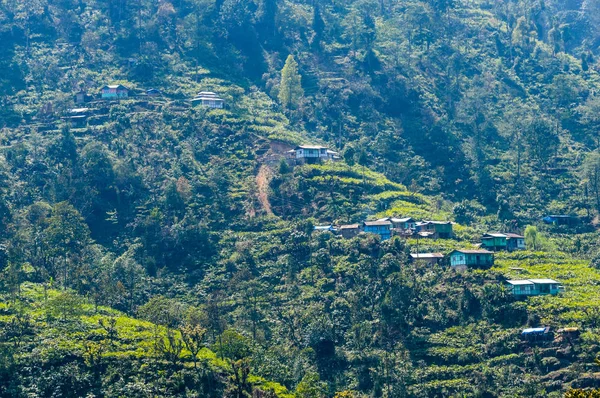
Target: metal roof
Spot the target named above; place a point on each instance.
(402, 219)
(543, 281)
(350, 226)
(520, 282)
(517, 236)
(474, 251)
(426, 255)
(323, 227)
(116, 86)
(377, 223)
(535, 330)
(310, 147)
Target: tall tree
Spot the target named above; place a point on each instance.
(290, 90)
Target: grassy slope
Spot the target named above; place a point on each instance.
(136, 338)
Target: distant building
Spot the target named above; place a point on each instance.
(537, 334)
(115, 91)
(561, 219)
(437, 229)
(533, 287)
(462, 259)
(78, 117)
(429, 258)
(153, 92)
(404, 224)
(381, 228)
(349, 231)
(81, 97)
(311, 154)
(323, 228)
(503, 241)
(208, 99)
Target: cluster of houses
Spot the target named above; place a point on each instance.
(113, 92)
(459, 259)
(393, 226)
(78, 117)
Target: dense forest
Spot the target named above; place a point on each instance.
(153, 248)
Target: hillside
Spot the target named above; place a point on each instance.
(125, 197)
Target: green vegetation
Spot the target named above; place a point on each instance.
(152, 248)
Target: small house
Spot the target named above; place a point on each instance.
(324, 228)
(208, 99)
(537, 334)
(533, 287)
(153, 92)
(429, 258)
(438, 229)
(349, 231)
(81, 97)
(503, 241)
(561, 219)
(78, 117)
(461, 259)
(311, 154)
(381, 228)
(403, 224)
(115, 91)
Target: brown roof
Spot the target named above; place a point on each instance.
(351, 226)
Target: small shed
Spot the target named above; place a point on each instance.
(461, 259)
(81, 97)
(153, 92)
(429, 258)
(349, 231)
(208, 99)
(537, 334)
(381, 228)
(115, 91)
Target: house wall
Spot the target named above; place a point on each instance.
(458, 259)
(384, 232)
(113, 93)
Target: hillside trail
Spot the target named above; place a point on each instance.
(263, 181)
